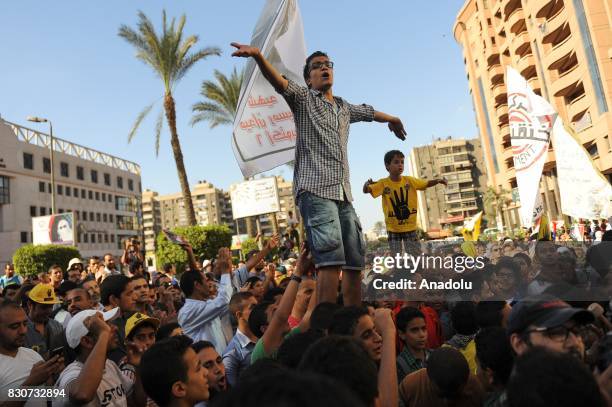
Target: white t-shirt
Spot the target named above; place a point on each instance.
(14, 371)
(113, 390)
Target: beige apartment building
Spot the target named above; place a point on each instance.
(101, 190)
(564, 50)
(212, 207)
(441, 209)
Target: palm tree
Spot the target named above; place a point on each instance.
(220, 99)
(219, 108)
(494, 202)
(170, 58)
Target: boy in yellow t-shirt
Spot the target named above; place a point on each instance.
(399, 200)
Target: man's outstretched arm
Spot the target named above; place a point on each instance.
(435, 182)
(395, 124)
(269, 72)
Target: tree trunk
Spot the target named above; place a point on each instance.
(170, 109)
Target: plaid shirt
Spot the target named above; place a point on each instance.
(321, 163)
(407, 363)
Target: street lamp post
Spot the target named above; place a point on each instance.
(52, 148)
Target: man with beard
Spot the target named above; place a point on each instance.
(93, 377)
(213, 362)
(93, 289)
(75, 270)
(77, 300)
(547, 322)
(44, 333)
(110, 267)
(21, 366)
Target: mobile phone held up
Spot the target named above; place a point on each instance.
(174, 238)
(56, 352)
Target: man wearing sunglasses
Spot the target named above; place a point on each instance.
(550, 323)
(321, 178)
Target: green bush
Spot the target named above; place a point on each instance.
(32, 259)
(248, 245)
(205, 240)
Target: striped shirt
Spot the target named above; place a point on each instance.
(321, 159)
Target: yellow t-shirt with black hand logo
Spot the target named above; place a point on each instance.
(399, 202)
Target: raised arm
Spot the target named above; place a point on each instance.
(271, 244)
(437, 181)
(269, 72)
(395, 124)
(366, 187)
(273, 335)
(387, 374)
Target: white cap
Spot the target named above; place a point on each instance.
(76, 328)
(74, 261)
(206, 263)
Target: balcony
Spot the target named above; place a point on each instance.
(501, 111)
(577, 108)
(496, 73)
(516, 21)
(521, 44)
(534, 83)
(526, 62)
(504, 130)
(556, 56)
(499, 93)
(568, 81)
(493, 59)
(549, 8)
(556, 21)
(557, 35)
(510, 6)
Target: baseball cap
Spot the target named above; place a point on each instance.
(74, 261)
(137, 319)
(206, 263)
(544, 311)
(43, 294)
(76, 328)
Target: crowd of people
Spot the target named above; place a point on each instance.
(254, 333)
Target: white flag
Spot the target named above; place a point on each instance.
(531, 119)
(585, 193)
(264, 132)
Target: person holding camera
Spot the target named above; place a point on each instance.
(131, 253)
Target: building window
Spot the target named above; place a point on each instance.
(103, 197)
(91, 216)
(68, 191)
(41, 186)
(105, 238)
(94, 176)
(28, 163)
(97, 196)
(112, 238)
(608, 143)
(46, 165)
(110, 198)
(90, 195)
(78, 238)
(64, 169)
(61, 210)
(32, 211)
(93, 238)
(42, 211)
(49, 187)
(98, 217)
(84, 215)
(85, 238)
(130, 184)
(80, 173)
(99, 237)
(107, 179)
(110, 217)
(60, 190)
(105, 218)
(24, 237)
(120, 182)
(83, 193)
(75, 192)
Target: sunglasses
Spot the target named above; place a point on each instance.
(319, 65)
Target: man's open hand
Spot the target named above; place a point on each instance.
(244, 51)
(396, 126)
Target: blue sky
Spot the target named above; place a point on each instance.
(63, 60)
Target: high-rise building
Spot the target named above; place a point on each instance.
(461, 163)
(563, 48)
(212, 207)
(101, 190)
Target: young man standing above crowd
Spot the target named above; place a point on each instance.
(321, 177)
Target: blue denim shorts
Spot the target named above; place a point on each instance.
(333, 231)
